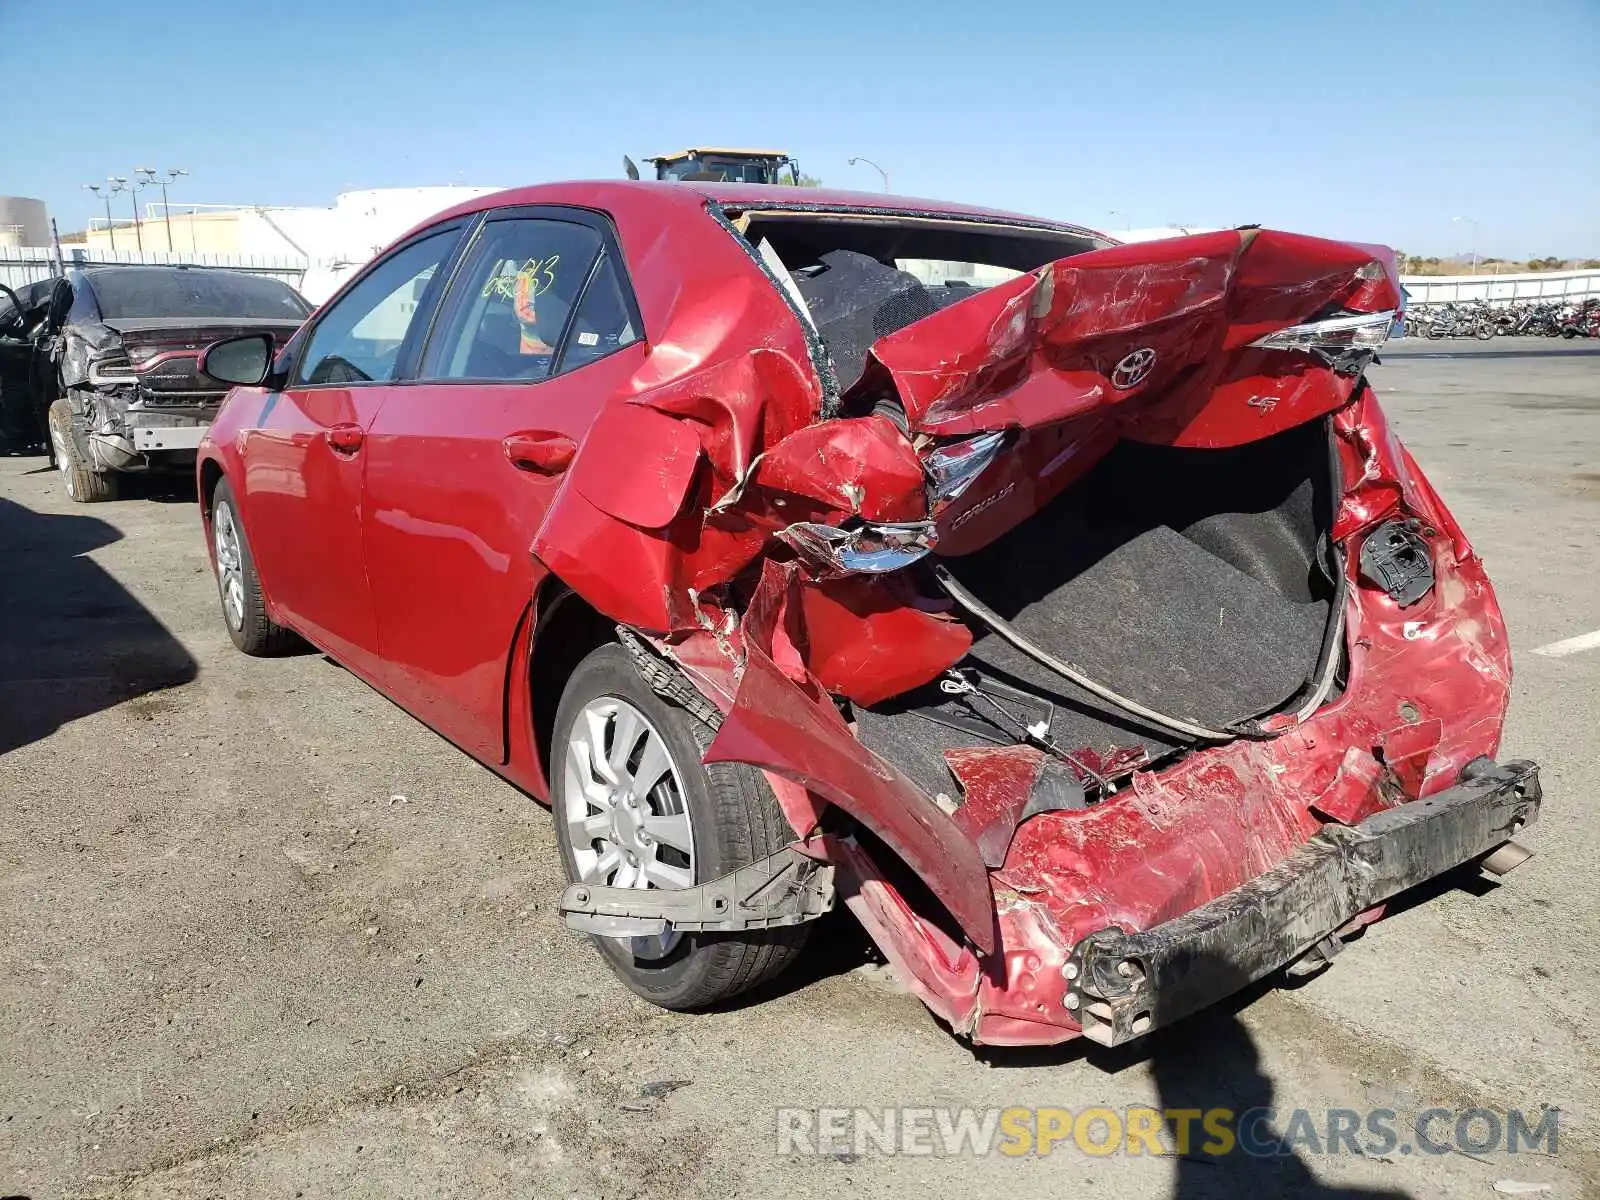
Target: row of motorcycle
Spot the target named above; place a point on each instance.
(1479, 319)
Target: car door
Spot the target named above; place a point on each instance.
(537, 330)
(304, 460)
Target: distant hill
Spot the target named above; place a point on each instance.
(1461, 264)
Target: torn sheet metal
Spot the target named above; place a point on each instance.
(1158, 332)
(862, 467)
(867, 640)
(776, 725)
(1004, 786)
(661, 454)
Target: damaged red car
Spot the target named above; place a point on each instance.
(1066, 609)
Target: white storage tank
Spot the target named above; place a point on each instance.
(23, 222)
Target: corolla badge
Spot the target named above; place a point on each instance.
(1133, 368)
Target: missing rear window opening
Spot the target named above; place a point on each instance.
(861, 276)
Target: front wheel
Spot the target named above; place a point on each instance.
(244, 609)
(634, 807)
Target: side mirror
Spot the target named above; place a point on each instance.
(245, 361)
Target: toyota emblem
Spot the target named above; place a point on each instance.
(1131, 371)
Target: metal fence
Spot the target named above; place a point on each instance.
(1501, 289)
(28, 264)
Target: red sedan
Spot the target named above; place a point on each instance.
(1066, 609)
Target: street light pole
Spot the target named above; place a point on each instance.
(111, 227)
(1127, 221)
(875, 167)
(172, 177)
(119, 184)
(138, 231)
(1474, 248)
(166, 209)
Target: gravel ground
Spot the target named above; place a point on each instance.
(269, 936)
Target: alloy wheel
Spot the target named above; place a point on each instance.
(625, 807)
(230, 565)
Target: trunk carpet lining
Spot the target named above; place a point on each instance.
(1184, 580)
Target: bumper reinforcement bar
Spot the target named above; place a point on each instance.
(785, 888)
(1123, 985)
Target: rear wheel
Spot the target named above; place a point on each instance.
(67, 451)
(635, 807)
(244, 609)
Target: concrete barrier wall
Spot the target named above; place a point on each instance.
(1501, 289)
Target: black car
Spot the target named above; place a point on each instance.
(101, 368)
(27, 384)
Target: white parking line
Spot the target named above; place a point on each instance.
(1571, 645)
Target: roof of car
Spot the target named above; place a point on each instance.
(100, 268)
(604, 193)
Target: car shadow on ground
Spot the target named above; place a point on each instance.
(73, 641)
(1201, 1064)
(160, 487)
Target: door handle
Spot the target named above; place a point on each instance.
(540, 451)
(346, 437)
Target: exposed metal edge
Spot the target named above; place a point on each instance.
(785, 888)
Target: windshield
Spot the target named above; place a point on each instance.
(737, 171)
(725, 170)
(195, 292)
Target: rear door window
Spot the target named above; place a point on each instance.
(512, 300)
(605, 319)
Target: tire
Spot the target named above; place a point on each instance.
(244, 609)
(84, 484)
(733, 820)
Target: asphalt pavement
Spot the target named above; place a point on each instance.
(269, 936)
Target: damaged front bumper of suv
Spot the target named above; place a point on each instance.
(1030, 881)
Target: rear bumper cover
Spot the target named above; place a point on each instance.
(128, 433)
(1123, 985)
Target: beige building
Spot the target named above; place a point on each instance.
(354, 228)
(190, 233)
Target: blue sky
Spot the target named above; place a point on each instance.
(1373, 121)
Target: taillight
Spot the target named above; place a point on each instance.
(111, 369)
(953, 467)
(1348, 340)
(874, 548)
(1342, 342)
